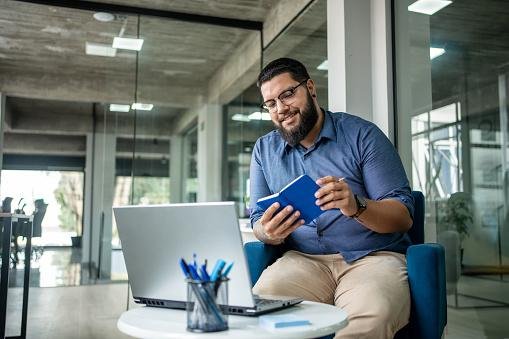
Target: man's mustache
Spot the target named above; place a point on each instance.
(287, 115)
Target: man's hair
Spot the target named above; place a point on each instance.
(283, 65)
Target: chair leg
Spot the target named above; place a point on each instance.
(14, 253)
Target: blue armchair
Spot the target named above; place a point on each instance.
(426, 277)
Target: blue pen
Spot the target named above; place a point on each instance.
(227, 270)
(194, 261)
(204, 275)
(201, 294)
(194, 273)
(185, 268)
(217, 269)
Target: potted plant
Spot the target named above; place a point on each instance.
(459, 216)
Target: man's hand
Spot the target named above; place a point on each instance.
(381, 216)
(273, 228)
(335, 193)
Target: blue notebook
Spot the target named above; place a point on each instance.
(272, 322)
(300, 193)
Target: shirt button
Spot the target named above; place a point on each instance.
(320, 233)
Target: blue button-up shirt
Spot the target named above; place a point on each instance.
(348, 147)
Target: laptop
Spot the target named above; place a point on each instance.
(154, 238)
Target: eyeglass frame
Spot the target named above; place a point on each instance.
(291, 94)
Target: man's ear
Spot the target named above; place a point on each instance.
(311, 87)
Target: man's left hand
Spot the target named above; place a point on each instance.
(335, 193)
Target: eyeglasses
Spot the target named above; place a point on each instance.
(286, 98)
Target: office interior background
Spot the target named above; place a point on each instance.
(87, 125)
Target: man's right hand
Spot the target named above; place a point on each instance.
(273, 227)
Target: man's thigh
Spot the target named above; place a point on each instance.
(300, 275)
(374, 292)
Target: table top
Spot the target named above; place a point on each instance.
(153, 322)
(15, 216)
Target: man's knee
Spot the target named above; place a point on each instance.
(296, 276)
(375, 316)
(379, 322)
(268, 287)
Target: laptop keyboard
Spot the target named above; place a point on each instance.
(265, 302)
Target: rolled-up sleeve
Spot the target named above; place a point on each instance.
(258, 187)
(382, 170)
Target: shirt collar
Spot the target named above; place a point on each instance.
(328, 131)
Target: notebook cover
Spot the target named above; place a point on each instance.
(300, 193)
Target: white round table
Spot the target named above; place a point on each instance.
(153, 322)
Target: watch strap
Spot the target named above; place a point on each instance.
(361, 207)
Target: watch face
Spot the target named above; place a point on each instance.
(361, 201)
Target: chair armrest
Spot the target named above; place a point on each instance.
(259, 256)
(426, 277)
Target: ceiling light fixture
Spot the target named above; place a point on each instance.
(428, 7)
(259, 116)
(127, 43)
(119, 108)
(104, 16)
(435, 52)
(99, 49)
(142, 107)
(241, 117)
(324, 66)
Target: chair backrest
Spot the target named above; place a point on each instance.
(416, 232)
(38, 216)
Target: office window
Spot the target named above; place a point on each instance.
(244, 123)
(61, 191)
(190, 170)
(452, 85)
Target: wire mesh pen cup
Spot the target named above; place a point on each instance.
(206, 301)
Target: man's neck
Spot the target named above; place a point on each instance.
(309, 140)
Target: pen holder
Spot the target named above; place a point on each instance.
(205, 301)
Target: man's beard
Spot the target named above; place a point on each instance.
(308, 119)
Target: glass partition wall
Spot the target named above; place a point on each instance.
(305, 39)
(141, 117)
(452, 88)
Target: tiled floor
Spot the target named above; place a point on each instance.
(91, 310)
(61, 266)
(69, 312)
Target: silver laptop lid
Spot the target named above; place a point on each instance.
(154, 238)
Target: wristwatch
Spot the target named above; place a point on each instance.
(361, 205)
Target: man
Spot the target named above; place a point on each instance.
(353, 255)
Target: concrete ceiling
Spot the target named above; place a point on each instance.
(44, 47)
(53, 86)
(255, 10)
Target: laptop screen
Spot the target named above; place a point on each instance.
(154, 238)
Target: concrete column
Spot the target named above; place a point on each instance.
(102, 201)
(503, 230)
(87, 200)
(359, 52)
(176, 161)
(210, 152)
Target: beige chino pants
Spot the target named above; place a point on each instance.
(372, 290)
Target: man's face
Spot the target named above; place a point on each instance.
(296, 117)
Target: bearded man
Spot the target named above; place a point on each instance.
(353, 255)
